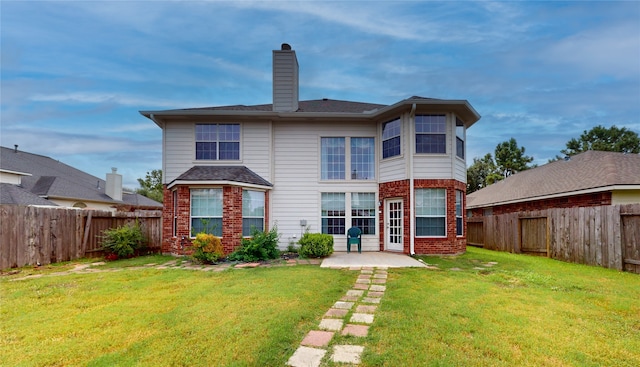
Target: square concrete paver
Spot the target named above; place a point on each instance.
(306, 357)
(343, 305)
(370, 300)
(316, 338)
(356, 293)
(355, 330)
(378, 288)
(334, 312)
(347, 354)
(331, 324)
(366, 271)
(365, 309)
(380, 276)
(349, 298)
(364, 276)
(365, 318)
(379, 281)
(375, 294)
(363, 281)
(361, 286)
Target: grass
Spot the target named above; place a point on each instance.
(522, 311)
(149, 317)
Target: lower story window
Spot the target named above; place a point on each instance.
(206, 211)
(363, 211)
(459, 223)
(431, 212)
(333, 213)
(252, 211)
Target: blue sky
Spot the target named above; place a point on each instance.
(75, 74)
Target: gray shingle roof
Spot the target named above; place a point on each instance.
(13, 194)
(240, 174)
(317, 105)
(52, 178)
(585, 171)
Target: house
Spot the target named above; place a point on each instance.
(591, 178)
(397, 172)
(32, 179)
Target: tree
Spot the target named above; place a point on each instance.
(481, 173)
(151, 186)
(613, 139)
(510, 158)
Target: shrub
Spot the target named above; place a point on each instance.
(316, 245)
(207, 248)
(260, 246)
(122, 241)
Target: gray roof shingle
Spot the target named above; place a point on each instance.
(16, 195)
(240, 174)
(585, 171)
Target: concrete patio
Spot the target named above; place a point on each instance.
(370, 259)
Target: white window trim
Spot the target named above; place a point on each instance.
(434, 216)
(348, 217)
(347, 160)
(194, 141)
(264, 208)
(190, 212)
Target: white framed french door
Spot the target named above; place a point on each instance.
(393, 225)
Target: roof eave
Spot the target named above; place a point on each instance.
(557, 195)
(217, 183)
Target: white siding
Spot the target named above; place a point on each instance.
(432, 166)
(460, 170)
(393, 169)
(255, 148)
(179, 149)
(297, 185)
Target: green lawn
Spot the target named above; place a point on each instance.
(524, 311)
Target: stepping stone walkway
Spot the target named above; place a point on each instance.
(350, 316)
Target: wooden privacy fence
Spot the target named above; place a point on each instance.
(31, 235)
(607, 236)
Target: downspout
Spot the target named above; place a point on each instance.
(412, 219)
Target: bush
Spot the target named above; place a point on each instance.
(316, 245)
(260, 246)
(122, 241)
(207, 248)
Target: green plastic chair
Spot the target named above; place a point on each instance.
(354, 236)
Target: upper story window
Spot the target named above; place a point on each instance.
(362, 159)
(460, 138)
(217, 142)
(391, 139)
(358, 161)
(431, 134)
(332, 152)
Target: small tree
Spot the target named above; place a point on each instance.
(151, 186)
(510, 158)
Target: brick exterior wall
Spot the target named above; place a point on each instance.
(451, 244)
(231, 220)
(585, 200)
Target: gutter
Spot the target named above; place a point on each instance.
(412, 219)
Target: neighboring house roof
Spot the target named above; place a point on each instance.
(322, 108)
(13, 194)
(53, 179)
(222, 174)
(591, 171)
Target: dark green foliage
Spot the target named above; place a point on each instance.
(316, 245)
(151, 186)
(613, 139)
(260, 246)
(123, 241)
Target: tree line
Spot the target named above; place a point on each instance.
(509, 158)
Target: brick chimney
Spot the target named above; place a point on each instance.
(285, 79)
(114, 185)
